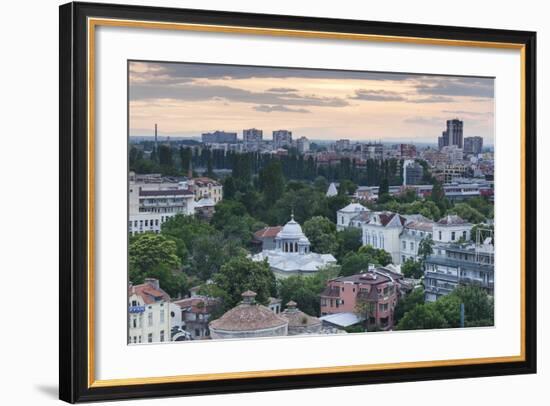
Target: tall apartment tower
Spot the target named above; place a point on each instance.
(473, 145)
(252, 136)
(282, 138)
(453, 135)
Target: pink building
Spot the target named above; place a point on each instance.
(376, 291)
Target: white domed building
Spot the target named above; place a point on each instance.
(292, 255)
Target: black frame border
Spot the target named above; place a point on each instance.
(73, 178)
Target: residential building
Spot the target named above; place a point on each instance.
(302, 144)
(473, 145)
(451, 229)
(205, 208)
(382, 230)
(204, 187)
(377, 288)
(453, 135)
(282, 138)
(252, 136)
(148, 313)
(407, 151)
(147, 222)
(372, 151)
(342, 145)
(412, 172)
(453, 265)
(167, 198)
(292, 255)
(346, 214)
(195, 314)
(248, 320)
(266, 237)
(413, 233)
(219, 137)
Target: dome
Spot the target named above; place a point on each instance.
(292, 230)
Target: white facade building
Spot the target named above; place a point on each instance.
(382, 231)
(292, 255)
(206, 188)
(450, 229)
(146, 221)
(148, 313)
(346, 214)
(411, 236)
(160, 198)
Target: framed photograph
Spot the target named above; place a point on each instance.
(259, 202)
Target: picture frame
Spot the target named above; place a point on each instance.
(79, 164)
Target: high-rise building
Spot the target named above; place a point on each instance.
(453, 135)
(219, 137)
(412, 173)
(407, 151)
(252, 136)
(302, 144)
(473, 145)
(282, 138)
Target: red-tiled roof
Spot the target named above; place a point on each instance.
(149, 293)
(197, 304)
(267, 232)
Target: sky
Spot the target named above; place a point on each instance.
(187, 100)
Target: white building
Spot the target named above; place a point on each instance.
(413, 233)
(382, 231)
(282, 138)
(142, 222)
(160, 198)
(450, 229)
(148, 313)
(302, 144)
(292, 255)
(346, 214)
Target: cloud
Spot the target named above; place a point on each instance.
(268, 109)
(469, 113)
(423, 120)
(203, 92)
(377, 95)
(461, 86)
(432, 99)
(282, 90)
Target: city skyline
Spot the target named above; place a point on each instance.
(189, 99)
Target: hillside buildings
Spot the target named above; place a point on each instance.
(292, 255)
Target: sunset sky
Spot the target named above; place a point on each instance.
(189, 99)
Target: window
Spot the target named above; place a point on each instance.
(464, 234)
(342, 219)
(161, 336)
(134, 322)
(440, 235)
(453, 236)
(139, 339)
(150, 337)
(162, 315)
(197, 332)
(412, 246)
(404, 245)
(150, 319)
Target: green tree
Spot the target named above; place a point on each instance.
(354, 263)
(412, 269)
(335, 203)
(408, 302)
(240, 274)
(321, 232)
(467, 213)
(425, 248)
(272, 182)
(321, 184)
(347, 187)
(154, 256)
(349, 240)
(380, 256)
(422, 316)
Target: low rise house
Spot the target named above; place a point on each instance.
(266, 237)
(195, 315)
(413, 233)
(372, 295)
(206, 187)
(148, 313)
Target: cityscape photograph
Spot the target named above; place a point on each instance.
(274, 201)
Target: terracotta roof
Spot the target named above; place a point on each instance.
(386, 217)
(421, 225)
(197, 304)
(248, 317)
(149, 293)
(267, 232)
(297, 318)
(203, 181)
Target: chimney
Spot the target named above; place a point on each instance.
(153, 282)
